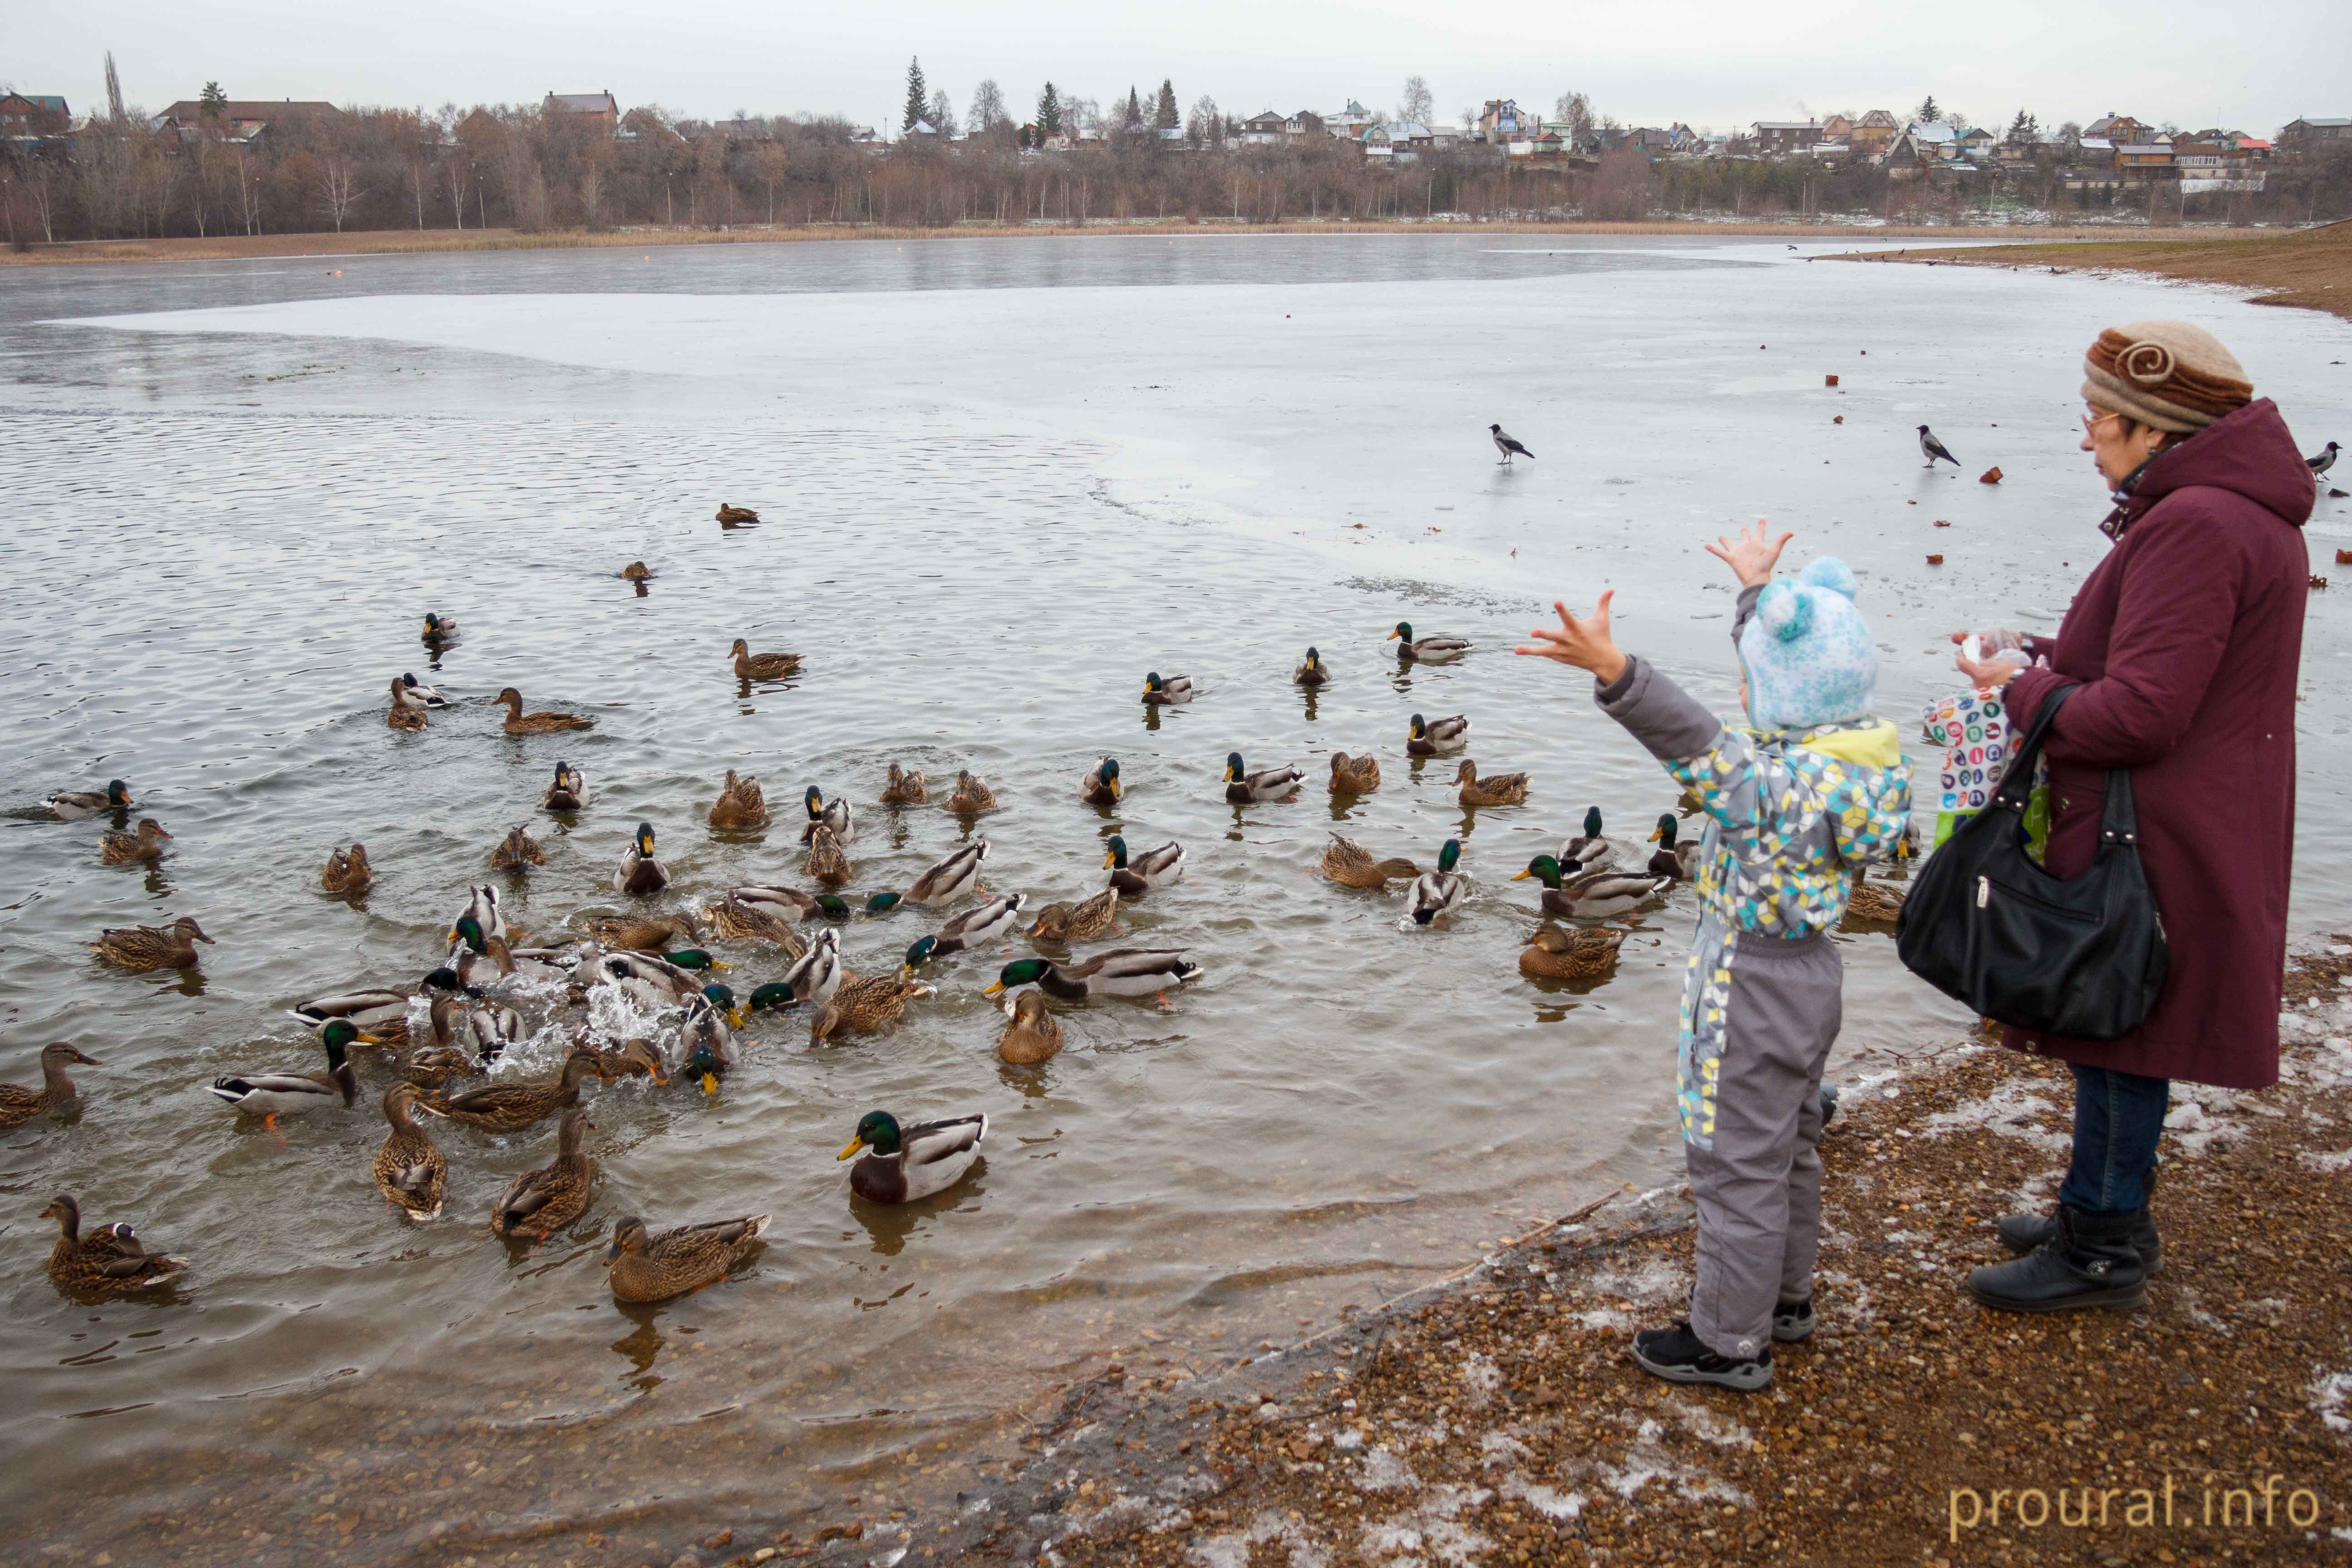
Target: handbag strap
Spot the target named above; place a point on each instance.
(2017, 777)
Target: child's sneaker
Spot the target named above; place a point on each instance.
(1677, 1355)
(1794, 1320)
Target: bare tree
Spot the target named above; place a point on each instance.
(988, 115)
(248, 194)
(1574, 111)
(942, 114)
(1206, 127)
(454, 168)
(338, 189)
(1416, 104)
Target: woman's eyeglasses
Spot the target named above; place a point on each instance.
(2092, 421)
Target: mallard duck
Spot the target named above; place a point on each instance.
(19, 1104)
(900, 1164)
(1160, 693)
(1438, 892)
(538, 1204)
(152, 947)
(1500, 789)
(640, 876)
(403, 714)
(952, 877)
(1441, 738)
(641, 934)
(1676, 856)
(348, 871)
(478, 961)
(1585, 952)
(636, 572)
(569, 792)
(1083, 921)
(1311, 671)
(443, 1059)
(1351, 864)
(1595, 896)
(73, 804)
(1354, 775)
(731, 515)
(769, 914)
(517, 850)
(833, 813)
(439, 628)
(1243, 787)
(419, 694)
(972, 796)
(706, 1038)
(905, 788)
(127, 848)
(633, 1058)
(664, 979)
(1588, 850)
(270, 1095)
(817, 973)
(409, 1166)
(510, 1106)
(1099, 786)
(740, 803)
(645, 1268)
(827, 862)
(489, 1029)
(749, 666)
(1122, 971)
(380, 1016)
(865, 1004)
(1031, 1034)
(522, 723)
(489, 919)
(1145, 872)
(1428, 650)
(110, 1258)
(967, 929)
(1874, 900)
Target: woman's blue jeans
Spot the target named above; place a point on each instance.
(2117, 1118)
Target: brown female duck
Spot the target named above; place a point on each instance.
(1585, 953)
(409, 1167)
(517, 850)
(1351, 864)
(109, 1259)
(749, 666)
(1498, 789)
(1031, 1034)
(152, 947)
(522, 723)
(1354, 775)
(865, 1003)
(906, 789)
(348, 871)
(740, 803)
(405, 715)
(128, 848)
(647, 1266)
(1084, 922)
(763, 914)
(642, 933)
(733, 515)
(826, 861)
(538, 1204)
(19, 1104)
(972, 796)
(510, 1106)
(1879, 902)
(444, 1057)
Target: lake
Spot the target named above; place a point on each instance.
(999, 481)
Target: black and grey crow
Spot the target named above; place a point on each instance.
(1506, 446)
(2324, 461)
(1931, 450)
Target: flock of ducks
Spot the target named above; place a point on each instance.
(653, 961)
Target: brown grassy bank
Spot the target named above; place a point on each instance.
(2310, 268)
(383, 242)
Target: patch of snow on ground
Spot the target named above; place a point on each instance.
(1384, 1472)
(1430, 1533)
(2339, 1161)
(2330, 1395)
(2013, 1110)
(1548, 1501)
(1483, 1377)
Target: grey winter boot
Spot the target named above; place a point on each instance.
(2090, 1262)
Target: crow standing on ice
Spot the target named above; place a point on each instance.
(2321, 463)
(1508, 445)
(1931, 450)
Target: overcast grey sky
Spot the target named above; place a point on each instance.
(1709, 62)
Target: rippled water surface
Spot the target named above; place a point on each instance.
(999, 482)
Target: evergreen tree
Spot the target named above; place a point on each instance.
(918, 97)
(1929, 111)
(1131, 117)
(214, 102)
(1167, 118)
(2024, 130)
(1049, 113)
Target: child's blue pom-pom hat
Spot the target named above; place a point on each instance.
(1808, 652)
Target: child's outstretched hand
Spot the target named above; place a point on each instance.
(1752, 556)
(1585, 644)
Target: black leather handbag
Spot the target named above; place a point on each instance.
(2084, 958)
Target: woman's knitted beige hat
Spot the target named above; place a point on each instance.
(2168, 375)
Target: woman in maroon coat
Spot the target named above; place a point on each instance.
(2183, 645)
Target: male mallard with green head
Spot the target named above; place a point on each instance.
(73, 804)
(270, 1095)
(409, 1166)
(1122, 971)
(640, 875)
(1311, 671)
(818, 972)
(1438, 893)
(19, 1104)
(1436, 738)
(833, 813)
(1588, 850)
(1429, 650)
(1159, 693)
(1676, 857)
(567, 792)
(952, 878)
(967, 929)
(1244, 787)
(1596, 895)
(646, 1267)
(1101, 785)
(1133, 878)
(900, 1164)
